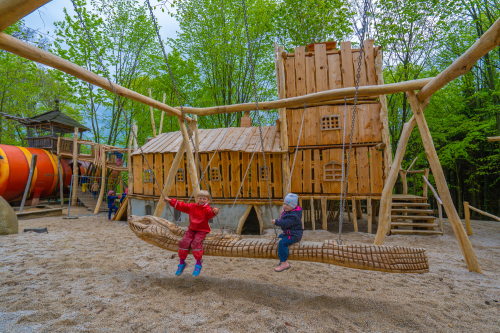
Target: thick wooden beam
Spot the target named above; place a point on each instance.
(354, 214)
(324, 217)
(326, 95)
(467, 218)
(442, 187)
(25, 50)
(170, 181)
(493, 138)
(12, 11)
(75, 166)
(488, 41)
(103, 181)
(384, 215)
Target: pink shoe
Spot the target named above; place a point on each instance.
(282, 267)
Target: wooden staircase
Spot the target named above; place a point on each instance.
(414, 218)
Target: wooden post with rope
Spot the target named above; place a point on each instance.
(152, 115)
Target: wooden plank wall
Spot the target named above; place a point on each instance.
(231, 165)
(366, 125)
(307, 73)
(365, 171)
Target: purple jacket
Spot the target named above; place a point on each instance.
(291, 224)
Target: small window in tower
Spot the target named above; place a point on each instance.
(332, 172)
(263, 171)
(215, 174)
(148, 176)
(331, 122)
(180, 175)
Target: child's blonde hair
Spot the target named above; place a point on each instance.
(203, 193)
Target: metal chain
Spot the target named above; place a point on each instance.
(252, 70)
(120, 106)
(343, 192)
(296, 150)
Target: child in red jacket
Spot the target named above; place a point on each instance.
(199, 214)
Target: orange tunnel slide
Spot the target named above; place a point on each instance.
(15, 167)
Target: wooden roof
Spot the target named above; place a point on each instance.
(241, 139)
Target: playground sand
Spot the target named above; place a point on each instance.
(93, 275)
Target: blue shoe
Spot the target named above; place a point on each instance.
(197, 270)
(180, 269)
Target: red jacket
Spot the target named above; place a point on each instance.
(198, 215)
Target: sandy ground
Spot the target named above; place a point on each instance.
(91, 275)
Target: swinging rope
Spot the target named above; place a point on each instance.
(343, 192)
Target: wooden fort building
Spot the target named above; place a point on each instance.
(317, 174)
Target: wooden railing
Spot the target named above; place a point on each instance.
(467, 209)
(439, 201)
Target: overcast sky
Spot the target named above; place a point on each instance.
(43, 19)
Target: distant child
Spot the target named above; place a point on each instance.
(124, 194)
(199, 214)
(111, 203)
(94, 189)
(291, 224)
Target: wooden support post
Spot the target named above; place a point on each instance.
(170, 181)
(242, 220)
(324, 220)
(301, 206)
(358, 209)
(190, 158)
(122, 183)
(424, 191)
(152, 115)
(384, 215)
(27, 189)
(280, 80)
(442, 187)
(75, 167)
(402, 173)
(384, 117)
(103, 181)
(134, 130)
(162, 114)
(370, 214)
(61, 180)
(354, 215)
(313, 219)
(129, 165)
(197, 146)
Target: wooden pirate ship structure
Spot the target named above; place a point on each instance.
(323, 99)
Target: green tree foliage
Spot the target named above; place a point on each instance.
(26, 88)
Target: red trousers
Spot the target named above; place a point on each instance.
(192, 239)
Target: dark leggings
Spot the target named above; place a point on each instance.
(283, 251)
(113, 208)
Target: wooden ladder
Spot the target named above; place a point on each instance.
(414, 218)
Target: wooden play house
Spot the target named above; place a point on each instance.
(318, 156)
